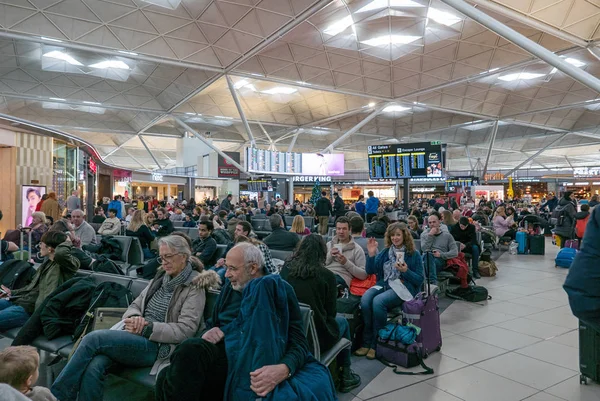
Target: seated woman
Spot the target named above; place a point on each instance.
(299, 227)
(413, 227)
(448, 219)
(137, 228)
(59, 266)
(503, 224)
(316, 286)
(165, 314)
(38, 228)
(399, 271)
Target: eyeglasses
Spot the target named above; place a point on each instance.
(166, 258)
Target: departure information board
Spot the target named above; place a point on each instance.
(260, 184)
(415, 160)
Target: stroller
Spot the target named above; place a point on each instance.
(533, 224)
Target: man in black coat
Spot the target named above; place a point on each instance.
(323, 210)
(464, 232)
(280, 239)
(339, 208)
(205, 246)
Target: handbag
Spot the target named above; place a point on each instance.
(99, 319)
(359, 287)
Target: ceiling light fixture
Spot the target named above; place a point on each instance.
(391, 40)
(227, 118)
(58, 99)
(50, 39)
(94, 103)
(395, 109)
(111, 64)
(129, 53)
(58, 55)
(376, 4)
(280, 90)
(339, 26)
(442, 17)
(240, 84)
(519, 75)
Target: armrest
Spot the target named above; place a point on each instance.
(331, 354)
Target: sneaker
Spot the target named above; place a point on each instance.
(371, 354)
(361, 351)
(349, 380)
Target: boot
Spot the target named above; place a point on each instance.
(348, 380)
(476, 274)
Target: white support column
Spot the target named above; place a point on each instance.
(293, 143)
(240, 110)
(536, 154)
(356, 128)
(492, 141)
(149, 152)
(525, 43)
(469, 158)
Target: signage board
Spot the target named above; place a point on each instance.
(411, 160)
(227, 170)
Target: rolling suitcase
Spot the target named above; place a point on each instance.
(565, 257)
(537, 244)
(521, 239)
(589, 353)
(423, 311)
(572, 243)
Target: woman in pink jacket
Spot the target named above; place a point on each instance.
(503, 224)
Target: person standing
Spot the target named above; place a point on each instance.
(51, 208)
(339, 208)
(73, 202)
(359, 207)
(371, 206)
(323, 209)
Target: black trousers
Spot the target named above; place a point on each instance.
(370, 216)
(198, 372)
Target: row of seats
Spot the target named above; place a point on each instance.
(132, 254)
(63, 345)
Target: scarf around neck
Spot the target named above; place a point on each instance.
(389, 268)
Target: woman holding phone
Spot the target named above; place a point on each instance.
(399, 271)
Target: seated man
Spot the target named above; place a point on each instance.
(205, 246)
(18, 305)
(345, 258)
(437, 245)
(244, 229)
(82, 229)
(280, 239)
(162, 226)
(357, 225)
(464, 232)
(112, 225)
(255, 343)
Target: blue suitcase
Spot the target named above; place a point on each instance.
(565, 257)
(521, 239)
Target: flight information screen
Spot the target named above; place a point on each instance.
(416, 160)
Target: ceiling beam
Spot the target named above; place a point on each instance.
(240, 110)
(536, 154)
(557, 108)
(491, 148)
(525, 43)
(150, 152)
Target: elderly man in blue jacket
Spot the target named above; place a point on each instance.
(255, 346)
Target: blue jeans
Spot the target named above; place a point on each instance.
(85, 372)
(343, 358)
(11, 315)
(375, 304)
(434, 264)
(475, 257)
(148, 254)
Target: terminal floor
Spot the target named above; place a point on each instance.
(521, 345)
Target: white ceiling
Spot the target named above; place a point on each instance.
(305, 72)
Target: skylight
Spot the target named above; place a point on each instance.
(339, 26)
(58, 55)
(395, 109)
(575, 62)
(111, 64)
(376, 4)
(240, 84)
(391, 40)
(280, 90)
(519, 75)
(442, 17)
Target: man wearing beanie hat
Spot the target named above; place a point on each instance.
(464, 232)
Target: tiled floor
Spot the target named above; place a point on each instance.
(521, 345)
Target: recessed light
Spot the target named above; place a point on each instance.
(395, 109)
(50, 39)
(376, 4)
(118, 64)
(280, 90)
(58, 55)
(391, 40)
(339, 26)
(58, 99)
(442, 17)
(94, 103)
(519, 75)
(372, 104)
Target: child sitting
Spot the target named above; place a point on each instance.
(19, 369)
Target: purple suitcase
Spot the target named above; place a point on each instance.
(424, 312)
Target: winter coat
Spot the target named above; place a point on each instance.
(48, 277)
(502, 225)
(360, 208)
(372, 205)
(376, 229)
(205, 250)
(60, 313)
(567, 228)
(339, 207)
(115, 204)
(51, 208)
(583, 281)
(323, 207)
(185, 312)
(552, 203)
(412, 278)
(282, 240)
(355, 261)
(267, 331)
(165, 227)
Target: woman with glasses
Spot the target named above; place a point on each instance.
(165, 314)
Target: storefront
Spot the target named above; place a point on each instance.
(580, 189)
(531, 190)
(122, 183)
(386, 191)
(303, 186)
(159, 186)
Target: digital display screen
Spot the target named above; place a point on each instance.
(266, 161)
(416, 160)
(260, 184)
(454, 183)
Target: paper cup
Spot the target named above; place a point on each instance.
(339, 247)
(400, 257)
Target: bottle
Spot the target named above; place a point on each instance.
(513, 248)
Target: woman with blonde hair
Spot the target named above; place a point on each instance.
(138, 228)
(399, 270)
(299, 227)
(448, 219)
(503, 224)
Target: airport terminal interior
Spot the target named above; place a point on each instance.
(410, 119)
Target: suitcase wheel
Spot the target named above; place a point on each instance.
(583, 380)
(439, 348)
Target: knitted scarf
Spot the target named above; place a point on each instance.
(158, 305)
(389, 268)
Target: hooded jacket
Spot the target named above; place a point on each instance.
(566, 228)
(50, 275)
(372, 205)
(583, 281)
(185, 313)
(355, 261)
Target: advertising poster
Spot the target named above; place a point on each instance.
(31, 195)
(226, 169)
(322, 164)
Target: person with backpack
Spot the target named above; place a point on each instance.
(60, 265)
(581, 220)
(169, 311)
(563, 218)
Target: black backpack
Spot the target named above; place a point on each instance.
(559, 216)
(105, 295)
(348, 306)
(15, 274)
(104, 265)
(473, 293)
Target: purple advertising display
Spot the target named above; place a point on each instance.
(322, 164)
(31, 195)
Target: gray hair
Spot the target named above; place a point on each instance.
(275, 221)
(78, 211)
(252, 254)
(177, 244)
